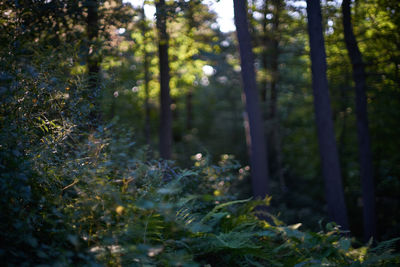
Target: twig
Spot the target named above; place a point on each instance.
(68, 186)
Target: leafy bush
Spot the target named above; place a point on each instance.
(73, 193)
(122, 210)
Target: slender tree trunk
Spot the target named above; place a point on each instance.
(189, 94)
(93, 59)
(146, 100)
(189, 110)
(343, 133)
(275, 154)
(323, 115)
(92, 29)
(258, 157)
(265, 41)
(165, 99)
(246, 126)
(397, 72)
(364, 146)
(274, 59)
(274, 93)
(275, 52)
(146, 79)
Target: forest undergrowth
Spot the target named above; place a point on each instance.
(79, 187)
(79, 194)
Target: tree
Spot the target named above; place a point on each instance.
(189, 94)
(92, 31)
(258, 156)
(265, 40)
(165, 99)
(273, 141)
(364, 146)
(146, 63)
(323, 115)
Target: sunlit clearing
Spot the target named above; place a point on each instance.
(119, 210)
(149, 10)
(298, 3)
(257, 15)
(225, 43)
(223, 8)
(208, 70)
(121, 30)
(198, 156)
(204, 81)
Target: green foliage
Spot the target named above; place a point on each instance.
(70, 198)
(38, 117)
(75, 191)
(123, 210)
(154, 213)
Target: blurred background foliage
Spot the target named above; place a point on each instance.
(89, 190)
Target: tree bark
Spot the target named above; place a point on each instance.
(275, 154)
(146, 79)
(323, 115)
(165, 99)
(258, 157)
(189, 94)
(274, 59)
(264, 60)
(364, 145)
(92, 29)
(189, 109)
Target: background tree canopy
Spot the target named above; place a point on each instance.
(134, 140)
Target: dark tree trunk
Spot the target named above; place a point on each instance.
(343, 133)
(323, 115)
(93, 60)
(246, 126)
(189, 110)
(189, 94)
(92, 29)
(274, 59)
(165, 99)
(146, 79)
(258, 157)
(264, 60)
(364, 146)
(146, 103)
(275, 154)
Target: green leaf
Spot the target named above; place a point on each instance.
(344, 243)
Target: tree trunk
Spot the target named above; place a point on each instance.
(274, 59)
(275, 154)
(165, 99)
(93, 60)
(264, 60)
(189, 94)
(323, 115)
(189, 110)
(92, 29)
(146, 79)
(364, 146)
(246, 126)
(258, 157)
